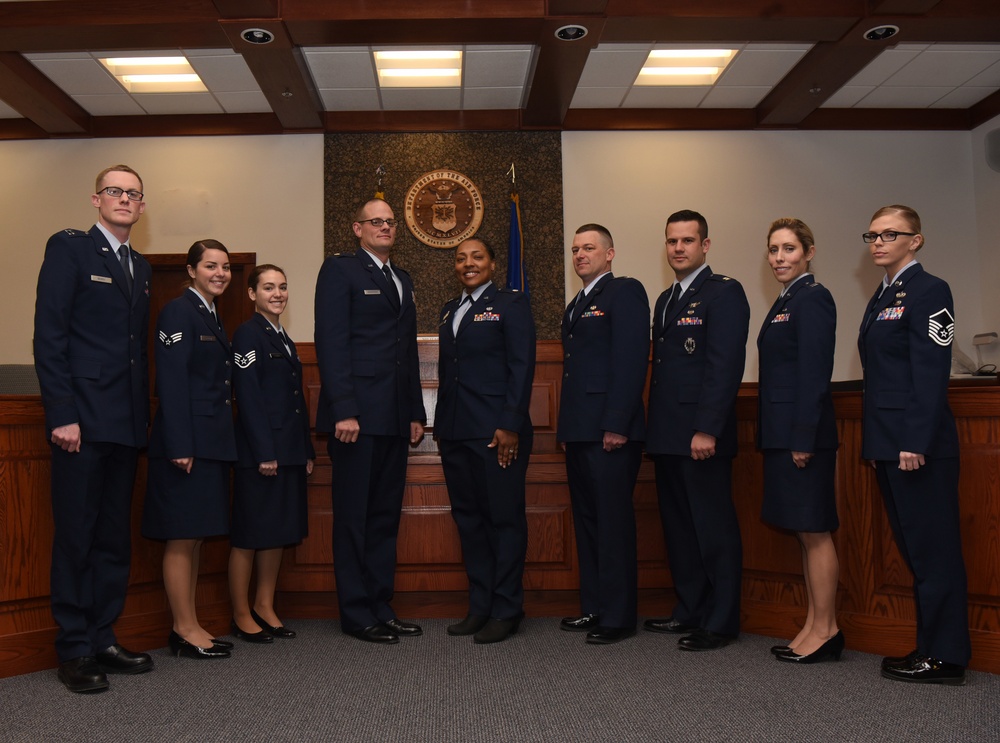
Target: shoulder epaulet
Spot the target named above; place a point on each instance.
(508, 290)
(76, 233)
(719, 277)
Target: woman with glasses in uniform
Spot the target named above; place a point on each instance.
(275, 457)
(192, 445)
(910, 437)
(797, 432)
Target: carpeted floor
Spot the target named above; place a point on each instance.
(542, 685)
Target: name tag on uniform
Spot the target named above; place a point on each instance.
(102, 279)
(370, 292)
(276, 355)
(206, 337)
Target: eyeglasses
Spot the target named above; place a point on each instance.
(378, 222)
(114, 192)
(887, 237)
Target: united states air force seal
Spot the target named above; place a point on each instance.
(443, 208)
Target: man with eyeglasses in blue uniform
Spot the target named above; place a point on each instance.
(372, 407)
(91, 320)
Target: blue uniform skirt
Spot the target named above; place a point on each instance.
(269, 511)
(800, 499)
(186, 506)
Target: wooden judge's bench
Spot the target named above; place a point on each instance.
(875, 604)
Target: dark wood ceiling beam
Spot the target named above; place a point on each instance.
(421, 121)
(281, 72)
(25, 89)
(558, 67)
(903, 7)
(986, 109)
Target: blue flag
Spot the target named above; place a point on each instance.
(517, 276)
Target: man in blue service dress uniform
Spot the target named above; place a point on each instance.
(700, 328)
(605, 336)
(91, 318)
(371, 404)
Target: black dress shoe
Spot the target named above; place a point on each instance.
(181, 647)
(258, 638)
(781, 650)
(896, 660)
(609, 635)
(83, 675)
(224, 644)
(829, 650)
(468, 626)
(668, 625)
(580, 624)
(378, 633)
(497, 630)
(403, 629)
(117, 659)
(279, 631)
(924, 670)
(703, 639)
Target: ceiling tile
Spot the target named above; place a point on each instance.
(244, 102)
(883, 66)
(746, 96)
(178, 103)
(225, 74)
(345, 68)
(610, 68)
(847, 96)
(421, 99)
(672, 97)
(350, 99)
(753, 67)
(492, 98)
(109, 105)
(495, 69)
(79, 76)
(902, 97)
(963, 97)
(934, 67)
(599, 97)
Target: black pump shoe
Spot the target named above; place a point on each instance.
(279, 631)
(181, 647)
(829, 650)
(258, 638)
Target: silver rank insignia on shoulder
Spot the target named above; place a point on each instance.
(689, 345)
(244, 361)
(941, 327)
(169, 340)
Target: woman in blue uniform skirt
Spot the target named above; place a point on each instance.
(275, 456)
(192, 445)
(483, 429)
(797, 432)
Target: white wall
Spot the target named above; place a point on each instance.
(255, 194)
(741, 181)
(265, 194)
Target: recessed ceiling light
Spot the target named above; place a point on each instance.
(419, 68)
(684, 66)
(154, 74)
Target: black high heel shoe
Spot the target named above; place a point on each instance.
(181, 647)
(829, 650)
(781, 650)
(281, 631)
(258, 638)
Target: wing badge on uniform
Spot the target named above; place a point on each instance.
(244, 362)
(169, 340)
(941, 327)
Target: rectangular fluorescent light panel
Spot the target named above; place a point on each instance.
(154, 74)
(419, 69)
(684, 66)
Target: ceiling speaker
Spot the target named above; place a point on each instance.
(993, 150)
